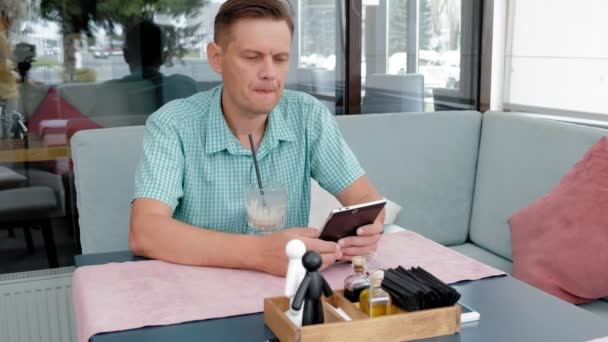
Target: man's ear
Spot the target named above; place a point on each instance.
(214, 57)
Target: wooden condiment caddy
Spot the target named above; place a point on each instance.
(400, 325)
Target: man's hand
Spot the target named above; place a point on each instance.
(272, 249)
(364, 243)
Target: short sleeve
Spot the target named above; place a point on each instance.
(333, 164)
(161, 168)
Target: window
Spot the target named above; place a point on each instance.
(557, 56)
(416, 53)
(317, 31)
(315, 48)
(84, 65)
(71, 75)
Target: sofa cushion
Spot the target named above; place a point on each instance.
(111, 98)
(599, 307)
(560, 240)
(520, 159)
(425, 162)
(484, 256)
(104, 167)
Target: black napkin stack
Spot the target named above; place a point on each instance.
(417, 289)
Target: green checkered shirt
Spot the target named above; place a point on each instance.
(192, 161)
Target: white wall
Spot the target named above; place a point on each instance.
(499, 36)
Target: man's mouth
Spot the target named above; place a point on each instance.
(265, 91)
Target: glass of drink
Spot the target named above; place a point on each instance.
(266, 209)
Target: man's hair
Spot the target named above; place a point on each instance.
(233, 10)
(145, 44)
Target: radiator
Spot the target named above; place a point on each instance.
(37, 306)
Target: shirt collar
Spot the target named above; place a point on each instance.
(278, 127)
(219, 137)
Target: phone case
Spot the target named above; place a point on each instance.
(346, 221)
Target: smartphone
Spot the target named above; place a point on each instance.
(467, 314)
(343, 222)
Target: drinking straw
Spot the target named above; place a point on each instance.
(257, 166)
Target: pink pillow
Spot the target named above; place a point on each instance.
(560, 241)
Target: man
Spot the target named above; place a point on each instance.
(145, 52)
(189, 203)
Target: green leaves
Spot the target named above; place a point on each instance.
(77, 16)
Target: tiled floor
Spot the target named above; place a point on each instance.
(14, 256)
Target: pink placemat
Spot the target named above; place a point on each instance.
(121, 296)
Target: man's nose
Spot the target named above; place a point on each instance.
(268, 69)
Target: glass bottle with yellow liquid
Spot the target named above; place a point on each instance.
(374, 301)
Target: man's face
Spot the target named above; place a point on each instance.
(254, 61)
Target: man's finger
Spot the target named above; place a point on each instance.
(358, 241)
(328, 259)
(370, 229)
(321, 246)
(352, 251)
(305, 232)
(346, 257)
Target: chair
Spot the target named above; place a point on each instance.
(105, 161)
(34, 204)
(393, 93)
(31, 206)
(10, 179)
(323, 81)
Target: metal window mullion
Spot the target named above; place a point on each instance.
(413, 17)
(352, 93)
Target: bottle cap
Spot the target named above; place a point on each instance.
(376, 278)
(358, 260)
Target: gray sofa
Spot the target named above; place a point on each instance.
(119, 103)
(459, 176)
